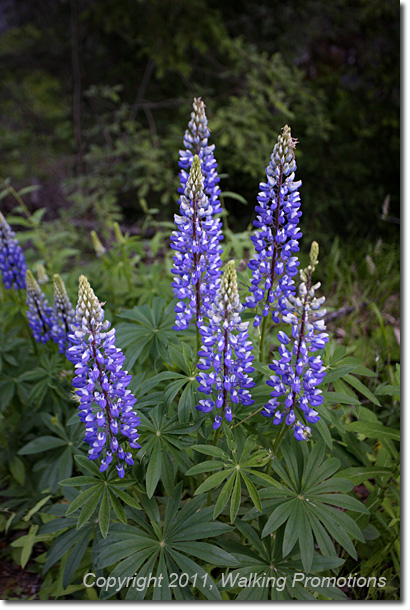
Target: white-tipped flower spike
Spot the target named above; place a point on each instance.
(97, 245)
(12, 262)
(106, 406)
(277, 236)
(226, 353)
(63, 315)
(40, 315)
(197, 258)
(300, 369)
(42, 276)
(196, 143)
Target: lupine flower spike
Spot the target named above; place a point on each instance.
(97, 245)
(106, 406)
(12, 262)
(42, 276)
(118, 233)
(63, 315)
(40, 315)
(197, 257)
(300, 370)
(276, 239)
(226, 353)
(196, 143)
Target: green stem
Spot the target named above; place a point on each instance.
(262, 340)
(279, 438)
(128, 276)
(198, 344)
(39, 243)
(34, 347)
(16, 196)
(225, 214)
(249, 416)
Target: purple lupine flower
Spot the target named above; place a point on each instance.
(40, 315)
(277, 235)
(197, 258)
(106, 405)
(12, 261)
(300, 370)
(226, 353)
(196, 143)
(63, 315)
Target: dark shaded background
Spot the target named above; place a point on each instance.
(95, 98)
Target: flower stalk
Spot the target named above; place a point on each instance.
(106, 405)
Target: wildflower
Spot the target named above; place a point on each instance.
(97, 245)
(106, 405)
(42, 277)
(226, 356)
(12, 262)
(118, 233)
(63, 315)
(300, 370)
(276, 239)
(196, 143)
(197, 259)
(40, 315)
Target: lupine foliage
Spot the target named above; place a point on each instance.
(210, 484)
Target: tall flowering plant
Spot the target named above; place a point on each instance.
(12, 261)
(196, 142)
(197, 258)
(277, 237)
(226, 353)
(198, 266)
(40, 315)
(63, 315)
(300, 369)
(106, 405)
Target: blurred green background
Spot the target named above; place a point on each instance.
(96, 95)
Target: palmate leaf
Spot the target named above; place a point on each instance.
(70, 546)
(173, 385)
(152, 282)
(264, 558)
(147, 332)
(311, 499)
(164, 544)
(342, 371)
(59, 451)
(165, 441)
(235, 470)
(102, 490)
(100, 493)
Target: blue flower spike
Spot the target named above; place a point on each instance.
(196, 142)
(276, 239)
(63, 315)
(300, 369)
(40, 315)
(106, 405)
(226, 353)
(12, 261)
(197, 258)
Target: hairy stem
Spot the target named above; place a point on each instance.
(249, 416)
